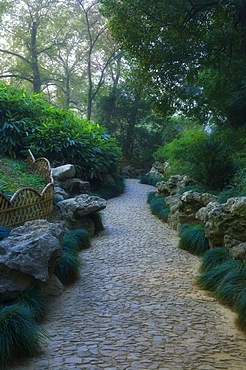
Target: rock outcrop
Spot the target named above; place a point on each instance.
(28, 256)
(173, 184)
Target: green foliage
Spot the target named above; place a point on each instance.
(241, 310)
(113, 190)
(193, 240)
(79, 239)
(214, 257)
(4, 232)
(206, 158)
(232, 288)
(96, 218)
(19, 334)
(34, 300)
(27, 121)
(226, 194)
(150, 196)
(210, 279)
(198, 188)
(67, 268)
(159, 207)
(150, 180)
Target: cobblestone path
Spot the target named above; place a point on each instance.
(136, 305)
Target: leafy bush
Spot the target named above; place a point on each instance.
(214, 257)
(67, 268)
(193, 240)
(19, 334)
(29, 121)
(206, 158)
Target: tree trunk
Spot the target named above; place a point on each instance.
(34, 60)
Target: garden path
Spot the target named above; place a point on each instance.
(136, 305)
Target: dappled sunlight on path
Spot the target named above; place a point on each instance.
(136, 305)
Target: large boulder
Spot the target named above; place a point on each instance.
(158, 170)
(183, 208)
(28, 256)
(74, 186)
(225, 225)
(73, 211)
(173, 184)
(63, 172)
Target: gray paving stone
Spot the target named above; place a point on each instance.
(136, 305)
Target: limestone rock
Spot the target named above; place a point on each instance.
(28, 255)
(158, 169)
(75, 186)
(183, 208)
(64, 172)
(73, 211)
(173, 184)
(53, 286)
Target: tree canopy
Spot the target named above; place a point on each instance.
(191, 53)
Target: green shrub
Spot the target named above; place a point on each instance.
(19, 334)
(34, 300)
(193, 240)
(232, 287)
(96, 218)
(210, 279)
(214, 257)
(28, 121)
(226, 194)
(67, 268)
(205, 158)
(159, 208)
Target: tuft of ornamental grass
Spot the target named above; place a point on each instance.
(150, 180)
(193, 240)
(76, 240)
(150, 196)
(4, 232)
(96, 218)
(33, 300)
(214, 257)
(159, 208)
(114, 190)
(210, 279)
(232, 287)
(241, 311)
(20, 335)
(67, 268)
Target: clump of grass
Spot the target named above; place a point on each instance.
(34, 300)
(150, 180)
(193, 240)
(78, 239)
(4, 232)
(214, 257)
(198, 188)
(96, 218)
(67, 268)
(150, 196)
(210, 279)
(241, 311)
(159, 208)
(20, 335)
(232, 287)
(112, 191)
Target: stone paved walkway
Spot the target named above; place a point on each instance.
(136, 305)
